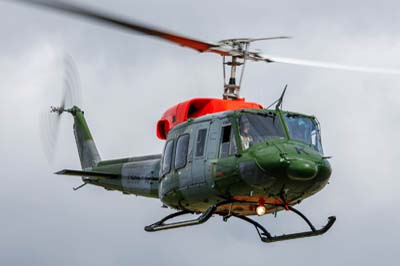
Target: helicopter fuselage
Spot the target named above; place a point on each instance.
(205, 162)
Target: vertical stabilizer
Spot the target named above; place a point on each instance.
(88, 154)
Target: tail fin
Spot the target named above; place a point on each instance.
(88, 153)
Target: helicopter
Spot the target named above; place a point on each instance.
(224, 157)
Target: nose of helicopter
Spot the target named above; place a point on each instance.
(302, 169)
(293, 160)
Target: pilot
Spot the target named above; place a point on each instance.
(245, 136)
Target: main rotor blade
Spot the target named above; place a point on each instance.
(249, 40)
(301, 62)
(130, 25)
(269, 38)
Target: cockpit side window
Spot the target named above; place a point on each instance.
(228, 142)
(225, 141)
(167, 157)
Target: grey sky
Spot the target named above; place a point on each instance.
(129, 80)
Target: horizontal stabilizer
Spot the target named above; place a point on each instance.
(88, 174)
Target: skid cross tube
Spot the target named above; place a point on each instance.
(160, 225)
(265, 236)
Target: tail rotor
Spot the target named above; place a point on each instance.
(71, 96)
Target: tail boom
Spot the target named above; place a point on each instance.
(88, 153)
(135, 175)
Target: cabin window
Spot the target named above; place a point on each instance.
(228, 144)
(233, 147)
(181, 152)
(167, 157)
(200, 142)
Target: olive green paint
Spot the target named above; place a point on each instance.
(272, 169)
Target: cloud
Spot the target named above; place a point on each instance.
(128, 81)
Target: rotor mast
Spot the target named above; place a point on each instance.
(231, 88)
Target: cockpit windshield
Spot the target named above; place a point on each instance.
(304, 129)
(255, 128)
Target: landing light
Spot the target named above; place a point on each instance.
(260, 210)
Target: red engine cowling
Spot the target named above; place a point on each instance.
(195, 108)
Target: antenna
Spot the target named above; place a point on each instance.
(280, 100)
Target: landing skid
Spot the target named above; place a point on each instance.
(264, 235)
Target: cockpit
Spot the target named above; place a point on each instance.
(255, 128)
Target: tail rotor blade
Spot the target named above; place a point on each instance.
(72, 89)
(50, 119)
(49, 129)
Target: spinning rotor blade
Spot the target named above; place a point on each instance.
(50, 120)
(49, 124)
(111, 20)
(237, 49)
(301, 62)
